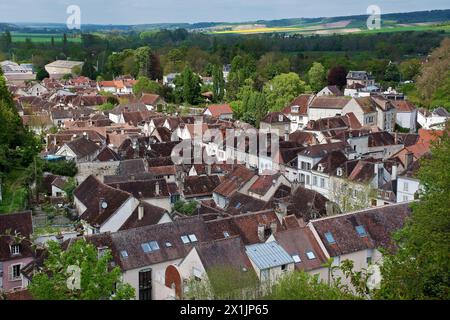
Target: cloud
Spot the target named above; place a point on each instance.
(157, 11)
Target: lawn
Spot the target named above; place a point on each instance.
(15, 194)
(42, 37)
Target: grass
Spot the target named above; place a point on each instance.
(15, 194)
(42, 37)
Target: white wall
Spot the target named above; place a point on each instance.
(120, 216)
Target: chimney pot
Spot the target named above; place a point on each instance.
(140, 212)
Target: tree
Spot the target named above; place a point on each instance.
(97, 279)
(88, 70)
(409, 69)
(316, 76)
(435, 71)
(218, 84)
(41, 74)
(283, 89)
(148, 63)
(145, 85)
(299, 285)
(186, 208)
(419, 269)
(188, 87)
(337, 76)
(392, 74)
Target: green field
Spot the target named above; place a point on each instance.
(42, 37)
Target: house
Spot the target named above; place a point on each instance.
(60, 68)
(297, 111)
(17, 74)
(364, 109)
(199, 187)
(79, 150)
(276, 122)
(386, 113)
(270, 261)
(15, 253)
(209, 258)
(266, 185)
(432, 120)
(406, 114)
(363, 78)
(330, 91)
(58, 187)
(299, 242)
(102, 208)
(221, 111)
(146, 214)
(169, 79)
(326, 106)
(153, 101)
(116, 114)
(121, 87)
(239, 179)
(358, 236)
(408, 184)
(143, 254)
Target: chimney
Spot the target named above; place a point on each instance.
(273, 227)
(140, 212)
(157, 188)
(409, 159)
(286, 136)
(301, 222)
(208, 169)
(261, 232)
(394, 172)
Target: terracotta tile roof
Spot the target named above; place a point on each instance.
(306, 204)
(82, 147)
(274, 117)
(302, 101)
(143, 189)
(167, 235)
(382, 138)
(219, 109)
(325, 102)
(320, 150)
(244, 225)
(298, 241)
(233, 181)
(152, 215)
(367, 104)
(60, 182)
(263, 184)
(106, 155)
(331, 162)
(403, 106)
(379, 224)
(303, 138)
(242, 203)
(162, 171)
(200, 186)
(92, 193)
(150, 99)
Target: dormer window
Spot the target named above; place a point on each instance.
(339, 172)
(320, 168)
(294, 109)
(280, 118)
(15, 249)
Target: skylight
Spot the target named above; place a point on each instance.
(330, 238)
(146, 247)
(361, 231)
(226, 234)
(193, 238)
(154, 245)
(124, 254)
(168, 244)
(185, 239)
(310, 255)
(238, 205)
(296, 258)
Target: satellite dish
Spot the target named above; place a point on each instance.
(104, 205)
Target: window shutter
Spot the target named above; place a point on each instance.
(10, 273)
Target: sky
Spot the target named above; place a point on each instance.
(158, 11)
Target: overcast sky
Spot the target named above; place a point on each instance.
(156, 11)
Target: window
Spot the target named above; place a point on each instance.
(310, 255)
(296, 258)
(361, 231)
(405, 186)
(154, 245)
(322, 182)
(307, 180)
(185, 239)
(226, 234)
(405, 198)
(330, 238)
(146, 247)
(15, 272)
(124, 254)
(145, 285)
(314, 181)
(193, 238)
(284, 267)
(15, 249)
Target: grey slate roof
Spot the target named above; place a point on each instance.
(268, 255)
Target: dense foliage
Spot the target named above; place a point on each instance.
(97, 280)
